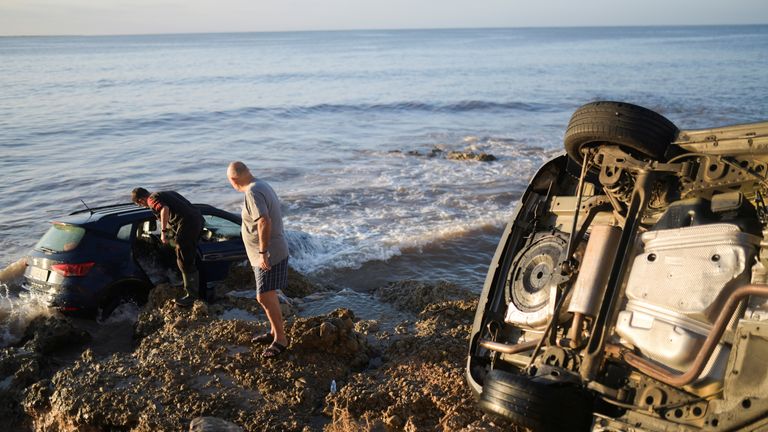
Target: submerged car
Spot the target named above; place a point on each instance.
(628, 291)
(93, 259)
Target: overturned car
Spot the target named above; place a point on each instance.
(629, 290)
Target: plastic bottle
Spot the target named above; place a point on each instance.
(333, 386)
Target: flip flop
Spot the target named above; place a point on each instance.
(274, 350)
(265, 339)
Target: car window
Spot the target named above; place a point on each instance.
(60, 238)
(124, 233)
(219, 229)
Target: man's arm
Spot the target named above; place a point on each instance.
(264, 229)
(164, 213)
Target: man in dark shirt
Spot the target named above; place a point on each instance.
(178, 215)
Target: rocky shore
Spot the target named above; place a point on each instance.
(197, 369)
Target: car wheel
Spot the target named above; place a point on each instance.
(638, 130)
(540, 405)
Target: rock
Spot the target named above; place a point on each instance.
(413, 296)
(45, 335)
(328, 332)
(212, 424)
(191, 364)
(436, 151)
(469, 155)
(367, 326)
(420, 385)
(19, 368)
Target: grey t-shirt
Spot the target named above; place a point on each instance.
(260, 200)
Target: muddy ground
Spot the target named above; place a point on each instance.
(173, 366)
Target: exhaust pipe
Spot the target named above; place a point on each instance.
(656, 371)
(591, 283)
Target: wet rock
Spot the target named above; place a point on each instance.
(45, 335)
(413, 296)
(19, 368)
(332, 334)
(436, 151)
(470, 155)
(367, 326)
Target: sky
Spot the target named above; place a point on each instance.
(98, 17)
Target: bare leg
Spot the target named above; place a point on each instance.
(271, 305)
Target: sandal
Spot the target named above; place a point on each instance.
(264, 339)
(274, 350)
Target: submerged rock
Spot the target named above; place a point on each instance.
(439, 151)
(469, 155)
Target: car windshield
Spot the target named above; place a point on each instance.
(60, 238)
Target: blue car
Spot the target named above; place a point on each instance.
(92, 260)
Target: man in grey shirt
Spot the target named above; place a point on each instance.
(264, 239)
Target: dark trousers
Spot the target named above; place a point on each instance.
(187, 236)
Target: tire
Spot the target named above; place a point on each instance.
(536, 404)
(639, 130)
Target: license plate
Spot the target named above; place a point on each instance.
(38, 273)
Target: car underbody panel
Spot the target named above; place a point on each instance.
(632, 277)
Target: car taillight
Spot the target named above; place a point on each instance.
(73, 269)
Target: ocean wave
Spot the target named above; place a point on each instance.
(100, 127)
(405, 106)
(352, 247)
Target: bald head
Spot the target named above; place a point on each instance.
(239, 175)
(238, 169)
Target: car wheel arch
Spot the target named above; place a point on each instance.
(122, 290)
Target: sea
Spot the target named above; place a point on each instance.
(351, 128)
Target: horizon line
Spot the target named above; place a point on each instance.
(380, 29)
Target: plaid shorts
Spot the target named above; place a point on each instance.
(272, 279)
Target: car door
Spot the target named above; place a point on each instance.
(221, 244)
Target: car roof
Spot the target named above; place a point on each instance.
(108, 218)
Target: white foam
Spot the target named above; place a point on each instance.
(402, 203)
(16, 312)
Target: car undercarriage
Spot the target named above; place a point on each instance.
(629, 290)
